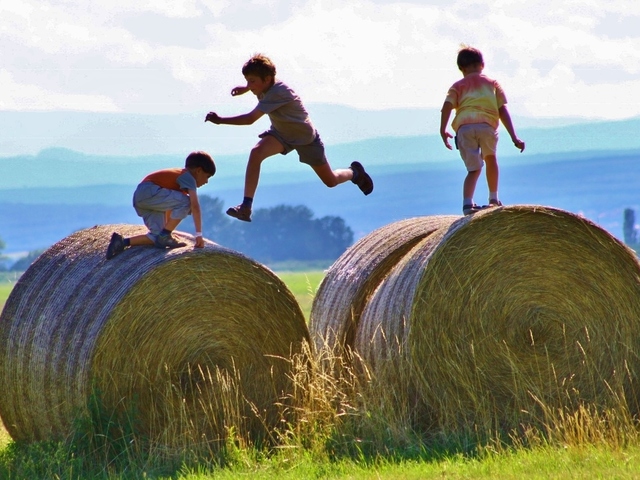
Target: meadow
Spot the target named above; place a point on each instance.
(349, 439)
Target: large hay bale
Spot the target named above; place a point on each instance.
(503, 317)
(158, 333)
(350, 281)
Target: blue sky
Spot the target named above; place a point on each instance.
(557, 58)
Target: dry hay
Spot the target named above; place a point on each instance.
(178, 337)
(501, 318)
(352, 278)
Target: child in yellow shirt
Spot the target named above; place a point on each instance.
(480, 104)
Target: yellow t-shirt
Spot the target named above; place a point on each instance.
(476, 99)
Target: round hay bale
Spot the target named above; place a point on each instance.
(505, 316)
(347, 285)
(169, 338)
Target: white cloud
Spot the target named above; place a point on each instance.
(554, 57)
(14, 96)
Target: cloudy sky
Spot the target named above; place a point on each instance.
(555, 58)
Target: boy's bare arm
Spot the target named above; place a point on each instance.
(505, 118)
(245, 119)
(445, 113)
(239, 90)
(196, 213)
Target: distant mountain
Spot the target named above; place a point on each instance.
(115, 134)
(599, 185)
(61, 167)
(592, 168)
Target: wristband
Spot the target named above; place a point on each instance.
(198, 234)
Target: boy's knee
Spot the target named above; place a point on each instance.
(330, 182)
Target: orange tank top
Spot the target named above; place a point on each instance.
(167, 178)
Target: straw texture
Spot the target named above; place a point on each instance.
(499, 317)
(155, 331)
(349, 282)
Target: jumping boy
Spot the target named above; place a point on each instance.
(163, 199)
(291, 129)
(480, 104)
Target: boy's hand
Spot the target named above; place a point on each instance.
(519, 144)
(213, 118)
(445, 138)
(240, 90)
(199, 242)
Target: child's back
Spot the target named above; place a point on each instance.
(480, 105)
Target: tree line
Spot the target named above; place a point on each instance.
(276, 234)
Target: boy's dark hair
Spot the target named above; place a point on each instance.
(260, 66)
(468, 56)
(201, 159)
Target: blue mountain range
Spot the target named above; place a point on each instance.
(590, 168)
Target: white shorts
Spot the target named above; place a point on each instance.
(475, 141)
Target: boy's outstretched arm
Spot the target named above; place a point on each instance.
(245, 119)
(240, 90)
(445, 113)
(196, 213)
(505, 118)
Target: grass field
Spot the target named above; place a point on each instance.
(6, 285)
(303, 285)
(591, 448)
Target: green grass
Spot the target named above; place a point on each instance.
(7, 281)
(303, 285)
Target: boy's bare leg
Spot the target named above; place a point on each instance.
(491, 163)
(140, 240)
(330, 177)
(469, 186)
(171, 223)
(266, 147)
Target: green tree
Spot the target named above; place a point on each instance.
(3, 260)
(279, 233)
(25, 262)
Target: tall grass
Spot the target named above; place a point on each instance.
(338, 411)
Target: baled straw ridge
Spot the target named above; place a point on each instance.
(504, 316)
(352, 278)
(157, 332)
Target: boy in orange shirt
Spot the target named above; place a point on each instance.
(291, 129)
(480, 104)
(163, 199)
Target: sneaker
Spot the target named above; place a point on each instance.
(167, 241)
(116, 246)
(469, 209)
(495, 203)
(240, 212)
(362, 178)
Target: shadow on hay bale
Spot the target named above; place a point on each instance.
(496, 319)
(184, 338)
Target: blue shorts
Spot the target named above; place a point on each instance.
(311, 154)
(475, 141)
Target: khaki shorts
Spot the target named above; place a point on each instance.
(311, 154)
(475, 141)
